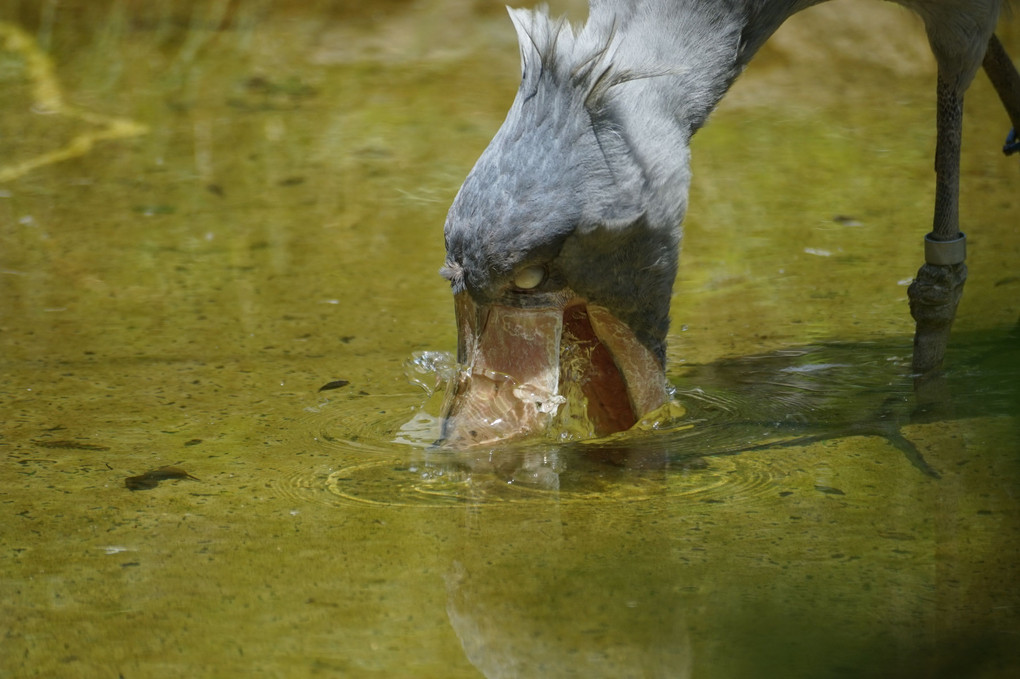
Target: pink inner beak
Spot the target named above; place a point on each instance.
(517, 362)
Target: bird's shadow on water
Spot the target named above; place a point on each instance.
(792, 397)
(834, 390)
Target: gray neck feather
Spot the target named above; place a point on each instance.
(649, 73)
(591, 167)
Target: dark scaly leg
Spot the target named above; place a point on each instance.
(1006, 81)
(935, 293)
(936, 290)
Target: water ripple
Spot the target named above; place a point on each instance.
(734, 444)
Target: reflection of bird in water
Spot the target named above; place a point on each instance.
(567, 230)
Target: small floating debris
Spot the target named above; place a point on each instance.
(153, 210)
(335, 384)
(116, 549)
(151, 479)
(818, 252)
(70, 445)
(846, 220)
(829, 490)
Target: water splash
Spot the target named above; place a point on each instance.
(733, 432)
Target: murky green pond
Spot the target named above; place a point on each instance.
(210, 209)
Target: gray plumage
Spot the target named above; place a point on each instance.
(589, 174)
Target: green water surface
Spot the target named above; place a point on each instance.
(210, 209)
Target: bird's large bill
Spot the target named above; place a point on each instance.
(521, 367)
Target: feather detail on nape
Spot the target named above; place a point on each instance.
(453, 272)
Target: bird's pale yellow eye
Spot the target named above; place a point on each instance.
(529, 277)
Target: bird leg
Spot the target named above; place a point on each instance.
(934, 295)
(936, 290)
(1006, 82)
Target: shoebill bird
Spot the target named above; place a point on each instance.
(563, 242)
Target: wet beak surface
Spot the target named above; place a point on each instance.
(510, 377)
(518, 362)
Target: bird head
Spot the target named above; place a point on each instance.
(563, 242)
